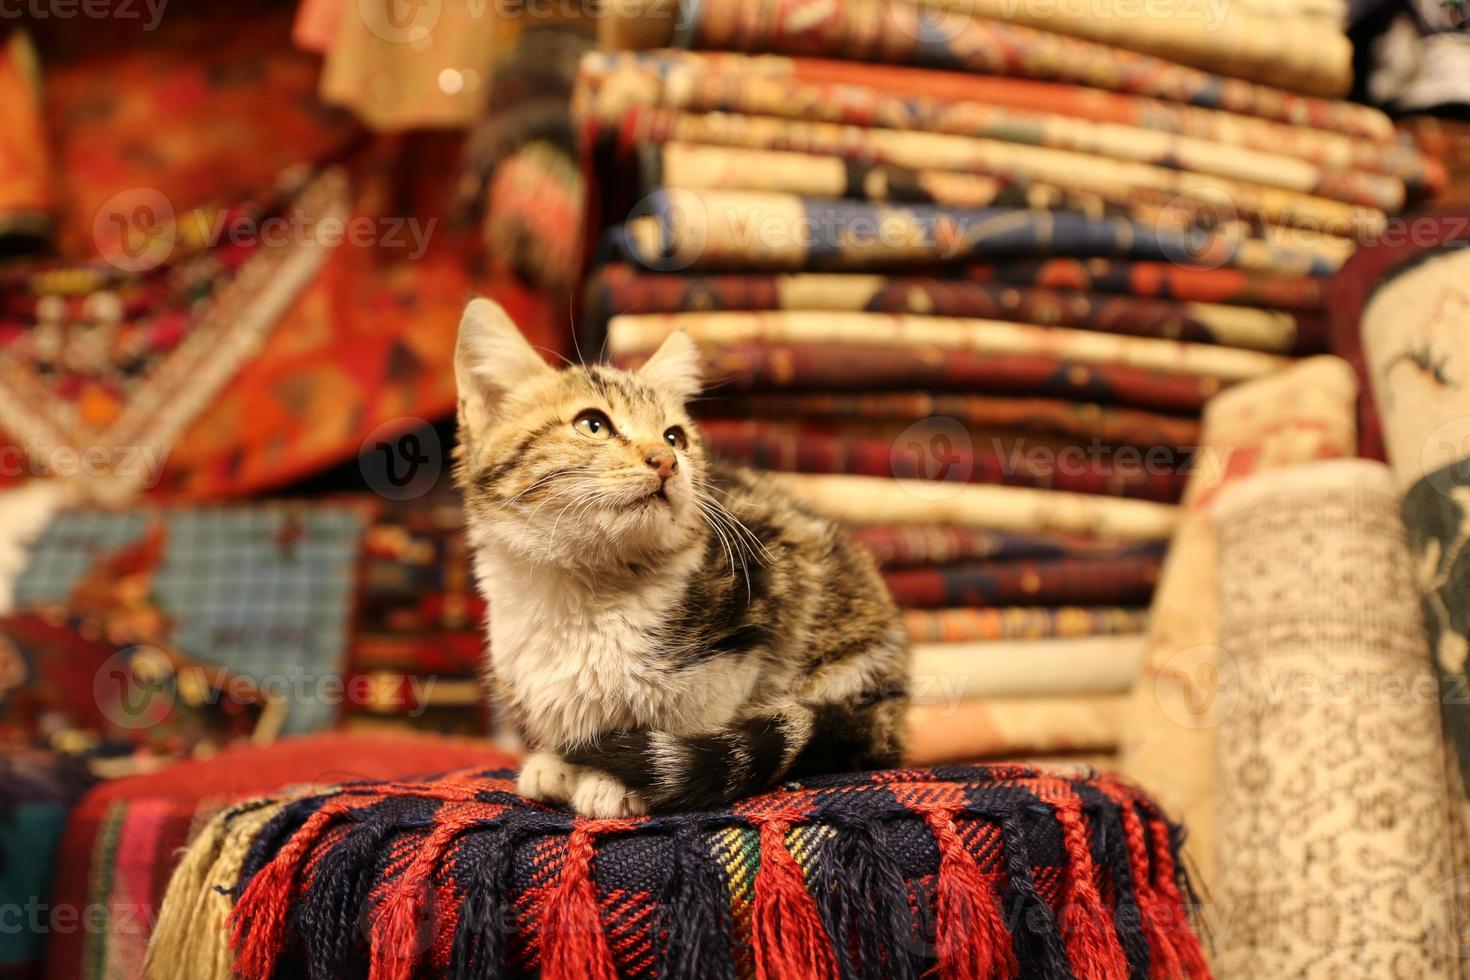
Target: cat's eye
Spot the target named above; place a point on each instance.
(675, 437)
(593, 424)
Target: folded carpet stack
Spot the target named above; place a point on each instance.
(999, 871)
(968, 281)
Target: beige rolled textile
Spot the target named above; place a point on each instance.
(1332, 812)
(1168, 745)
(1026, 668)
(867, 499)
(642, 333)
(1009, 728)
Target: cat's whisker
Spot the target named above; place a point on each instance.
(733, 550)
(729, 553)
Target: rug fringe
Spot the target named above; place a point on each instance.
(791, 943)
(190, 940)
(573, 945)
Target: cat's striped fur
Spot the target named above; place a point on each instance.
(664, 632)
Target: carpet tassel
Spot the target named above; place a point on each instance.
(1037, 940)
(1186, 943)
(698, 919)
(970, 935)
(573, 946)
(863, 898)
(787, 932)
(260, 915)
(1087, 928)
(398, 926)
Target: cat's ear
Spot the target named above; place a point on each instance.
(674, 367)
(490, 358)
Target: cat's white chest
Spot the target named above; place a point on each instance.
(577, 664)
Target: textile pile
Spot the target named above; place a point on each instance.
(123, 838)
(418, 637)
(976, 871)
(36, 790)
(967, 284)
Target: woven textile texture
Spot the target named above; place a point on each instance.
(619, 289)
(814, 448)
(945, 731)
(958, 102)
(1414, 305)
(642, 334)
(899, 546)
(995, 42)
(1021, 623)
(124, 837)
(906, 366)
(1020, 112)
(1043, 416)
(991, 669)
(1413, 338)
(1342, 775)
(1116, 581)
(266, 591)
(1000, 871)
(36, 790)
(1301, 414)
(712, 229)
(121, 370)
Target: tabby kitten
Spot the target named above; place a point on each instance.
(664, 633)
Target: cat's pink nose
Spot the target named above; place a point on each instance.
(662, 462)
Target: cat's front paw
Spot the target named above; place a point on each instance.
(547, 778)
(601, 797)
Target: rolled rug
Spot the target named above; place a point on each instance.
(901, 33)
(1046, 582)
(693, 166)
(1026, 127)
(952, 101)
(1329, 743)
(1302, 414)
(863, 499)
(897, 546)
(943, 728)
(1296, 53)
(1329, 226)
(1156, 474)
(1053, 416)
(642, 334)
(764, 365)
(1237, 287)
(1414, 308)
(1021, 623)
(623, 289)
(1027, 668)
